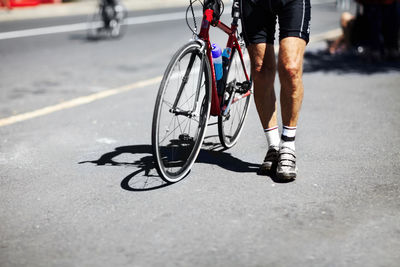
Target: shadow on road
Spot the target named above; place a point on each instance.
(83, 37)
(145, 178)
(345, 63)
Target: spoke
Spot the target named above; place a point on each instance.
(168, 103)
(187, 123)
(180, 124)
(188, 99)
(170, 132)
(230, 129)
(194, 119)
(169, 125)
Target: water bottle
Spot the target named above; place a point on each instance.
(227, 53)
(225, 61)
(217, 60)
(225, 67)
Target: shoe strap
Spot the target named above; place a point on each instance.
(287, 157)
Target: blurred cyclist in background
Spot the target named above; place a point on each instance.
(111, 12)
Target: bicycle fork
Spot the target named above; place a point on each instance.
(190, 113)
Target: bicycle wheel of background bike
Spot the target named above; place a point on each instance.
(94, 25)
(178, 133)
(231, 124)
(118, 26)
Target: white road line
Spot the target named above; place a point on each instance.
(84, 26)
(90, 98)
(326, 35)
(155, 18)
(78, 101)
(43, 31)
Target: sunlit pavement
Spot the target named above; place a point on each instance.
(78, 185)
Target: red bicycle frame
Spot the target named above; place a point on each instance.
(232, 44)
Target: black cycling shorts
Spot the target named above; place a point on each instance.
(259, 20)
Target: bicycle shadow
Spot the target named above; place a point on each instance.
(145, 178)
(149, 180)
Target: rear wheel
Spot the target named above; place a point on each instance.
(95, 24)
(236, 99)
(118, 24)
(181, 112)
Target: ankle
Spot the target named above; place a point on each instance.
(288, 137)
(272, 135)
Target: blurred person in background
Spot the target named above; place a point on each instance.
(111, 11)
(374, 30)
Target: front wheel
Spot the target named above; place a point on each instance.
(95, 24)
(181, 112)
(236, 100)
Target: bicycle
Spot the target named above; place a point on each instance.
(188, 96)
(108, 20)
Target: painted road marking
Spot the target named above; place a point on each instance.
(78, 101)
(96, 96)
(85, 26)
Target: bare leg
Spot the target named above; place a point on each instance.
(343, 41)
(263, 70)
(345, 21)
(290, 68)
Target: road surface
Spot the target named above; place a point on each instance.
(78, 185)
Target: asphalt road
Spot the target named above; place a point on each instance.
(78, 186)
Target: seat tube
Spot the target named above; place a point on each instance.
(204, 35)
(205, 24)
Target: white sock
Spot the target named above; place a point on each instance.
(272, 135)
(288, 136)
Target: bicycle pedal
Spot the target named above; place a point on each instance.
(243, 87)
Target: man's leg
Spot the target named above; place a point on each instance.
(263, 70)
(290, 68)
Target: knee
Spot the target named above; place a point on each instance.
(291, 71)
(345, 19)
(261, 70)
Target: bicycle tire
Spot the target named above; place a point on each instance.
(229, 129)
(120, 27)
(94, 25)
(174, 158)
